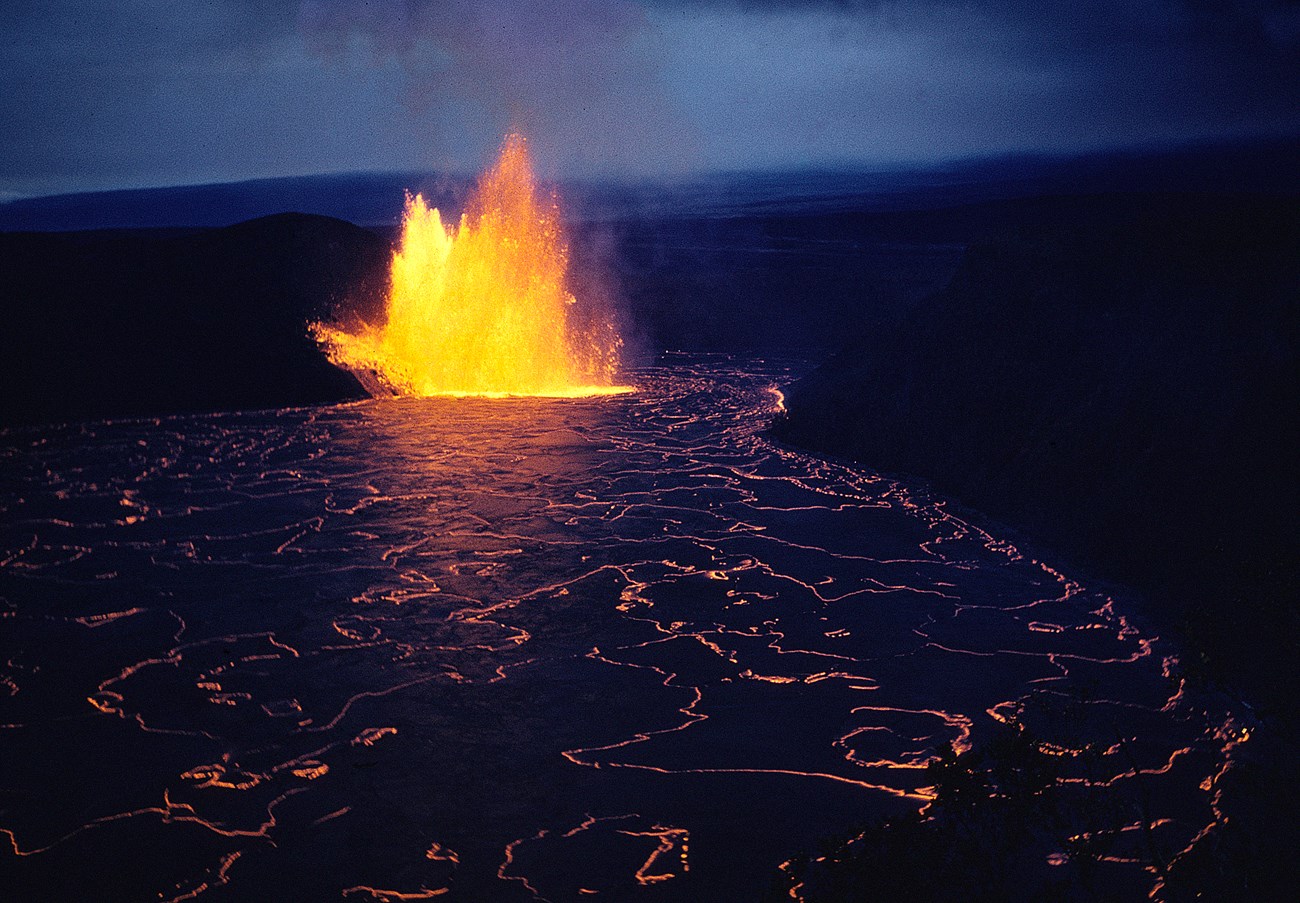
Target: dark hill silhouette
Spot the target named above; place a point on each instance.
(1122, 388)
(147, 322)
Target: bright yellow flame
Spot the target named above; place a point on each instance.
(482, 308)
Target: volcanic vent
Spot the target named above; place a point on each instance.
(483, 307)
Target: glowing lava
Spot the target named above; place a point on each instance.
(483, 308)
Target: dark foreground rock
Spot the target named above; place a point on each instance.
(1124, 392)
(100, 324)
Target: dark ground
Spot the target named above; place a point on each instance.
(1121, 385)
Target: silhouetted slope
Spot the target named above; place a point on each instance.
(1242, 167)
(115, 323)
(782, 280)
(1125, 392)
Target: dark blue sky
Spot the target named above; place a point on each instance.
(154, 92)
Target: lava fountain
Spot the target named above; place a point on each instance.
(483, 308)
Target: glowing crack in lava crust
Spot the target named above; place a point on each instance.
(483, 308)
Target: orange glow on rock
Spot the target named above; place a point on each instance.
(483, 308)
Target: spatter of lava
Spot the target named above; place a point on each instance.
(483, 308)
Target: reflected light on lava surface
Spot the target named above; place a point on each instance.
(483, 308)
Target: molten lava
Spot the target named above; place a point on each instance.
(483, 308)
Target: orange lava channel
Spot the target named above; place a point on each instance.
(482, 308)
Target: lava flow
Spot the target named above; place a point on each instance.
(483, 308)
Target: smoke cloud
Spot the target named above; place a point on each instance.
(148, 92)
(580, 77)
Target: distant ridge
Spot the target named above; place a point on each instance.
(375, 199)
(366, 199)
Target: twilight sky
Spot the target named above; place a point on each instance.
(134, 93)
